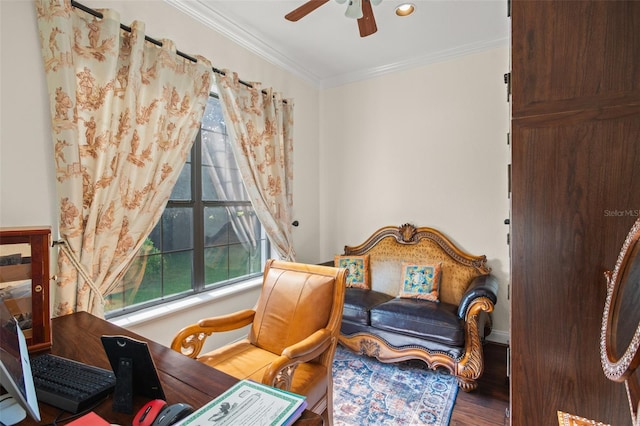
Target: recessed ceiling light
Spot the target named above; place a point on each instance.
(405, 9)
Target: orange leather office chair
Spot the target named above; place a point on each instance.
(293, 336)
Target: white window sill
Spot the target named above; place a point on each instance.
(153, 313)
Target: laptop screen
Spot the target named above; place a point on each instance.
(15, 367)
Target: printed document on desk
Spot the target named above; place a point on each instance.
(248, 403)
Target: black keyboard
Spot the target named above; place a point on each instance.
(70, 385)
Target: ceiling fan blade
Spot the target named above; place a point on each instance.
(367, 24)
(304, 10)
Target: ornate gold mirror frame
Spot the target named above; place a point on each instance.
(620, 334)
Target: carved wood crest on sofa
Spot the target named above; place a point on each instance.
(445, 333)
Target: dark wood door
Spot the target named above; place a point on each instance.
(575, 194)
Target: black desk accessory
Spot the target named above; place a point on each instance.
(135, 371)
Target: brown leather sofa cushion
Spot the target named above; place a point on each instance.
(420, 318)
(358, 302)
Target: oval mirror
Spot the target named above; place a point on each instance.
(620, 336)
(625, 312)
(621, 319)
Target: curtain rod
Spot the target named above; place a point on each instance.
(149, 39)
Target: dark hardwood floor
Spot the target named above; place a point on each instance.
(488, 404)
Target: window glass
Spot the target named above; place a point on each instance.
(216, 226)
(177, 271)
(216, 261)
(177, 229)
(213, 119)
(221, 179)
(182, 190)
(215, 166)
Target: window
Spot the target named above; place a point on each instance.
(208, 236)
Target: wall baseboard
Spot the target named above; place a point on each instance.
(498, 336)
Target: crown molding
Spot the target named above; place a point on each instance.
(432, 58)
(213, 19)
(254, 43)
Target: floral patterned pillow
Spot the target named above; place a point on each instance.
(358, 267)
(421, 281)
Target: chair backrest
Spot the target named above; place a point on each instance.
(296, 301)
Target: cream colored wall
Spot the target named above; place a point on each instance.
(27, 185)
(462, 119)
(426, 146)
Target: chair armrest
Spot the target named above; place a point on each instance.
(228, 322)
(281, 370)
(482, 286)
(310, 347)
(190, 340)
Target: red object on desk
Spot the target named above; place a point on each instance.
(91, 419)
(148, 413)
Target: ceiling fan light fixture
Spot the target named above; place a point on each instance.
(405, 9)
(361, 10)
(354, 9)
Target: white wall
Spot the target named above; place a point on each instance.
(27, 184)
(426, 146)
(435, 136)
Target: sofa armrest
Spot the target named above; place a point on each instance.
(482, 286)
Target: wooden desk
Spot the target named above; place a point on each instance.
(77, 336)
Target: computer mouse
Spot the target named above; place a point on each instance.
(172, 414)
(148, 413)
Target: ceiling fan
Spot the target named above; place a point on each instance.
(357, 9)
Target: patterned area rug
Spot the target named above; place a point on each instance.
(369, 392)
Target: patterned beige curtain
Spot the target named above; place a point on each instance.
(124, 115)
(261, 125)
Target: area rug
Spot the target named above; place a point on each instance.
(368, 392)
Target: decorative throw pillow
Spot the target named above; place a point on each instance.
(421, 281)
(358, 267)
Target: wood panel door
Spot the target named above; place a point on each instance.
(575, 195)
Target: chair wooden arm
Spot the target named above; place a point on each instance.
(228, 322)
(190, 340)
(310, 347)
(280, 372)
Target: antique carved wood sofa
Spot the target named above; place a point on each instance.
(447, 332)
